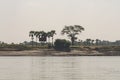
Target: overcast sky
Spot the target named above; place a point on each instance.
(100, 18)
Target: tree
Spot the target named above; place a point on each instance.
(62, 45)
(31, 34)
(53, 32)
(48, 35)
(88, 42)
(36, 34)
(72, 31)
(92, 41)
(42, 36)
(97, 42)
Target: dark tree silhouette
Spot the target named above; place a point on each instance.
(53, 32)
(31, 34)
(48, 35)
(36, 34)
(72, 31)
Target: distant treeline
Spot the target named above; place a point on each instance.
(43, 38)
(72, 32)
(87, 42)
(97, 42)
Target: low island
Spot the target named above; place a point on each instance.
(45, 45)
(75, 51)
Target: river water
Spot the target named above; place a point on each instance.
(60, 68)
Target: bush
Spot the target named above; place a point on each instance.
(14, 47)
(62, 45)
(49, 45)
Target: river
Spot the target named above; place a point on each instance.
(60, 68)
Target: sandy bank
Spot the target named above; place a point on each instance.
(48, 52)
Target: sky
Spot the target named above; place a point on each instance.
(100, 18)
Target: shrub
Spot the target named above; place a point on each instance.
(49, 45)
(62, 45)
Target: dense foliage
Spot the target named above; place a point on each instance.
(62, 45)
(42, 36)
(72, 32)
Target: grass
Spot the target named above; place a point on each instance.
(19, 47)
(97, 48)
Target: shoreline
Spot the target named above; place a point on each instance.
(50, 52)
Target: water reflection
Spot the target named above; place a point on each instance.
(74, 68)
(59, 68)
(52, 69)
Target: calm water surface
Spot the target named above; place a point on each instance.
(59, 68)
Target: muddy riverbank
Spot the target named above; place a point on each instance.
(51, 52)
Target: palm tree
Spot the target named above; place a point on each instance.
(36, 34)
(97, 42)
(72, 31)
(88, 42)
(92, 41)
(42, 36)
(53, 32)
(31, 34)
(48, 35)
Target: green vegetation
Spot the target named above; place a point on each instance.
(97, 42)
(14, 47)
(62, 45)
(45, 40)
(31, 34)
(107, 48)
(42, 37)
(72, 31)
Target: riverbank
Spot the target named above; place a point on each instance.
(51, 52)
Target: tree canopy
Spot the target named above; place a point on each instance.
(72, 31)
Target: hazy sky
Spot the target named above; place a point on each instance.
(100, 18)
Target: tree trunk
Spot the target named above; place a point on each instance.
(36, 41)
(32, 41)
(52, 41)
(72, 40)
(48, 40)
